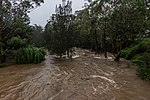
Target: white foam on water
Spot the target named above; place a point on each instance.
(110, 58)
(56, 95)
(94, 89)
(76, 56)
(102, 77)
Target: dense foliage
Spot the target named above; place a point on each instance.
(14, 24)
(61, 32)
(30, 55)
(104, 25)
(17, 42)
(139, 53)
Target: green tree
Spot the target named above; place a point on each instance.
(48, 35)
(15, 43)
(61, 27)
(82, 24)
(113, 22)
(127, 23)
(12, 15)
(36, 37)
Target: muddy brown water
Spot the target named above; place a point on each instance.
(88, 77)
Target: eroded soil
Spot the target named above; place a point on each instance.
(87, 77)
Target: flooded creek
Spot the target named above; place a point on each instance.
(86, 77)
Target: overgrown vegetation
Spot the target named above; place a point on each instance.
(17, 42)
(140, 54)
(15, 31)
(30, 55)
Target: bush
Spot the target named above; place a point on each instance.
(30, 55)
(144, 66)
(144, 46)
(137, 58)
(130, 52)
(138, 48)
(139, 54)
(16, 42)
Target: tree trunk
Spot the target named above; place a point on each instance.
(113, 46)
(117, 58)
(2, 54)
(104, 39)
(68, 53)
(60, 56)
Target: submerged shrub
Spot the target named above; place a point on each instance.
(30, 55)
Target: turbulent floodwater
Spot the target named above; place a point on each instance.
(87, 77)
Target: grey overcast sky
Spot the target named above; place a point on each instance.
(41, 14)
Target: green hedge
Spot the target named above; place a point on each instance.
(140, 54)
(30, 55)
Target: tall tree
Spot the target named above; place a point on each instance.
(36, 36)
(13, 13)
(62, 25)
(114, 22)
